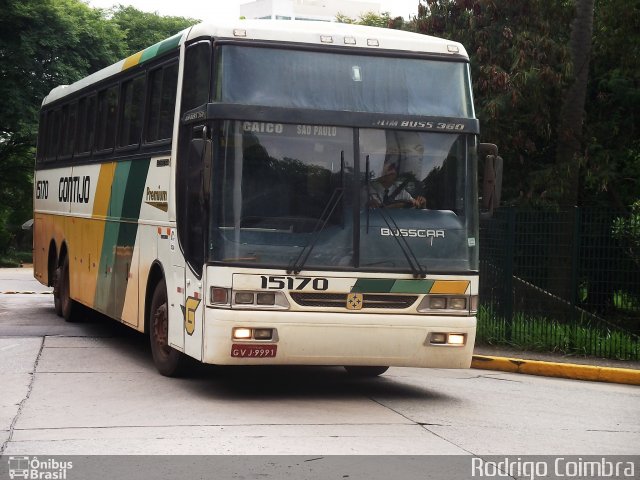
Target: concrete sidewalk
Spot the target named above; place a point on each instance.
(556, 365)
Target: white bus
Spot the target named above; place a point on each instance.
(269, 193)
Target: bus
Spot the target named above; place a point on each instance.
(269, 193)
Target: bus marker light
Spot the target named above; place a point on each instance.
(373, 42)
(456, 339)
(219, 295)
(326, 38)
(241, 333)
(238, 32)
(453, 48)
(474, 304)
(349, 40)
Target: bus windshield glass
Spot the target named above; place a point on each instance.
(340, 82)
(287, 194)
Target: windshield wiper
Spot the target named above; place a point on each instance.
(336, 196)
(416, 270)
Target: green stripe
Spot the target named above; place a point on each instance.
(373, 285)
(412, 286)
(384, 285)
(120, 234)
(160, 48)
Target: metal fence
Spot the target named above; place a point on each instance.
(559, 281)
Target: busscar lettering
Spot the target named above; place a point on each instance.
(412, 232)
(74, 189)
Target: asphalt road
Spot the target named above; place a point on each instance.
(91, 388)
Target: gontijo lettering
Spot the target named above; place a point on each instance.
(74, 189)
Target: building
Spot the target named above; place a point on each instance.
(324, 10)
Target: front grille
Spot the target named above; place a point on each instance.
(339, 300)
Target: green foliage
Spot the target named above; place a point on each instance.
(372, 19)
(45, 43)
(612, 166)
(549, 335)
(142, 29)
(519, 59)
(627, 231)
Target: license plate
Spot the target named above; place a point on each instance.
(253, 351)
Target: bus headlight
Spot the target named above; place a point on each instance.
(243, 298)
(458, 303)
(437, 303)
(271, 300)
(446, 304)
(445, 338)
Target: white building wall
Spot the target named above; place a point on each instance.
(307, 9)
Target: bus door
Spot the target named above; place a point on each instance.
(193, 177)
(193, 310)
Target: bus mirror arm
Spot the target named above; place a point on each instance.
(492, 179)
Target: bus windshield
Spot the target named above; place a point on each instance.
(282, 188)
(340, 82)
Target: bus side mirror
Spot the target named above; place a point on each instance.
(492, 179)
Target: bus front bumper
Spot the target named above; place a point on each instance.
(319, 338)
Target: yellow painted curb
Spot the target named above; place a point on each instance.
(561, 370)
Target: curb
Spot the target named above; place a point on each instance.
(560, 370)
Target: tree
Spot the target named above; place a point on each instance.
(143, 29)
(372, 19)
(612, 130)
(43, 43)
(570, 139)
(518, 53)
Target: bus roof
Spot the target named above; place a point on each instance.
(302, 32)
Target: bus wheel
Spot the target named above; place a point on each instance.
(67, 305)
(57, 302)
(167, 360)
(365, 371)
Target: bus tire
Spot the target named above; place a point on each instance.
(67, 304)
(358, 371)
(57, 302)
(168, 361)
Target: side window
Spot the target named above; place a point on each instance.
(53, 134)
(106, 120)
(86, 120)
(197, 73)
(163, 82)
(62, 130)
(132, 100)
(42, 131)
(69, 125)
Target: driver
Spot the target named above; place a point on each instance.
(386, 191)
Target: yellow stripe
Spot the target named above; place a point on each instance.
(133, 60)
(103, 190)
(450, 287)
(90, 235)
